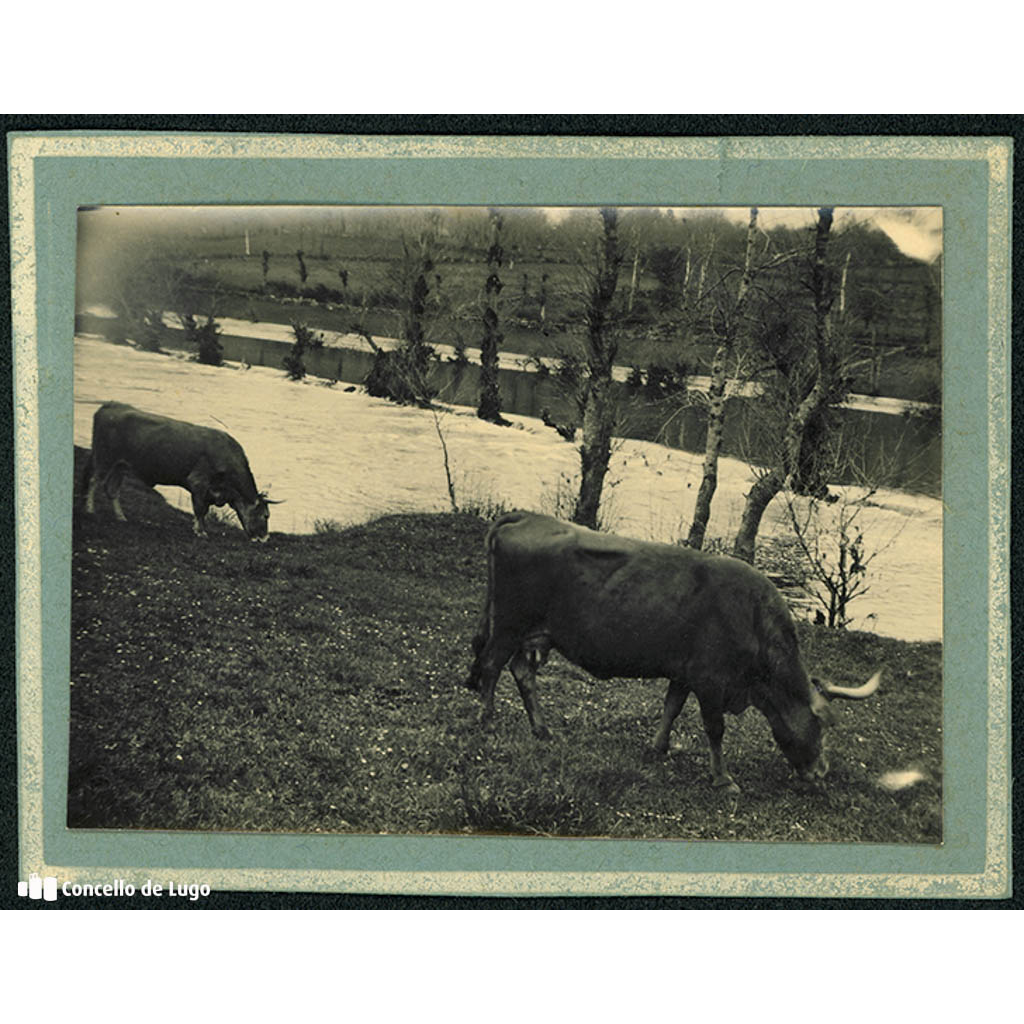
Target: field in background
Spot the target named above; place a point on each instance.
(314, 684)
(349, 276)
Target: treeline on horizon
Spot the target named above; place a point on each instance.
(347, 252)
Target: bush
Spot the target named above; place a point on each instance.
(305, 338)
(321, 293)
(206, 338)
(658, 381)
(402, 375)
(284, 289)
(146, 328)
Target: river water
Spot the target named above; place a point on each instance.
(338, 455)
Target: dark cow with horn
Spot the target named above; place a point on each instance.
(712, 625)
(210, 464)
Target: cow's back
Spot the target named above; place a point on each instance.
(159, 450)
(622, 607)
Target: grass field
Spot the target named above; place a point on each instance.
(313, 684)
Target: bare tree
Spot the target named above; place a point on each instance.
(838, 547)
(726, 328)
(598, 401)
(819, 385)
(837, 535)
(404, 374)
(489, 407)
(727, 319)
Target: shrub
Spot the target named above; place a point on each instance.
(477, 498)
(327, 527)
(305, 339)
(283, 288)
(402, 375)
(321, 293)
(657, 381)
(146, 328)
(205, 337)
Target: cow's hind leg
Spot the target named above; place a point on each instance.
(197, 487)
(675, 698)
(524, 670)
(199, 509)
(480, 639)
(89, 481)
(112, 485)
(714, 726)
(484, 673)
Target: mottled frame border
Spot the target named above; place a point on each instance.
(35, 529)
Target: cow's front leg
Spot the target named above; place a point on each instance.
(675, 698)
(524, 670)
(714, 726)
(199, 509)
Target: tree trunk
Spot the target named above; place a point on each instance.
(786, 475)
(632, 283)
(842, 285)
(758, 499)
(712, 447)
(716, 397)
(489, 407)
(598, 404)
(595, 452)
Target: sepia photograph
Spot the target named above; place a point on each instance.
(552, 459)
(541, 517)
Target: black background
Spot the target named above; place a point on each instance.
(454, 124)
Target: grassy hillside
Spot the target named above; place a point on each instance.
(314, 684)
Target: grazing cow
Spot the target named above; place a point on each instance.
(208, 463)
(712, 625)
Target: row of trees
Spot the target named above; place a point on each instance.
(776, 307)
(776, 316)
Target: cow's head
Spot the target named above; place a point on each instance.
(800, 728)
(255, 515)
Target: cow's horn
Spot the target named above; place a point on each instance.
(852, 692)
(272, 501)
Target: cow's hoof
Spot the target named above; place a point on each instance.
(654, 753)
(542, 732)
(727, 786)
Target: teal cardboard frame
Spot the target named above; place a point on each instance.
(51, 175)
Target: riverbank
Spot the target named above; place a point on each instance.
(892, 442)
(339, 456)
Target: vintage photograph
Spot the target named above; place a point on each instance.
(621, 522)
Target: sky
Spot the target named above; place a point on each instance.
(916, 231)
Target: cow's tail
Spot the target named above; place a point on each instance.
(485, 626)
